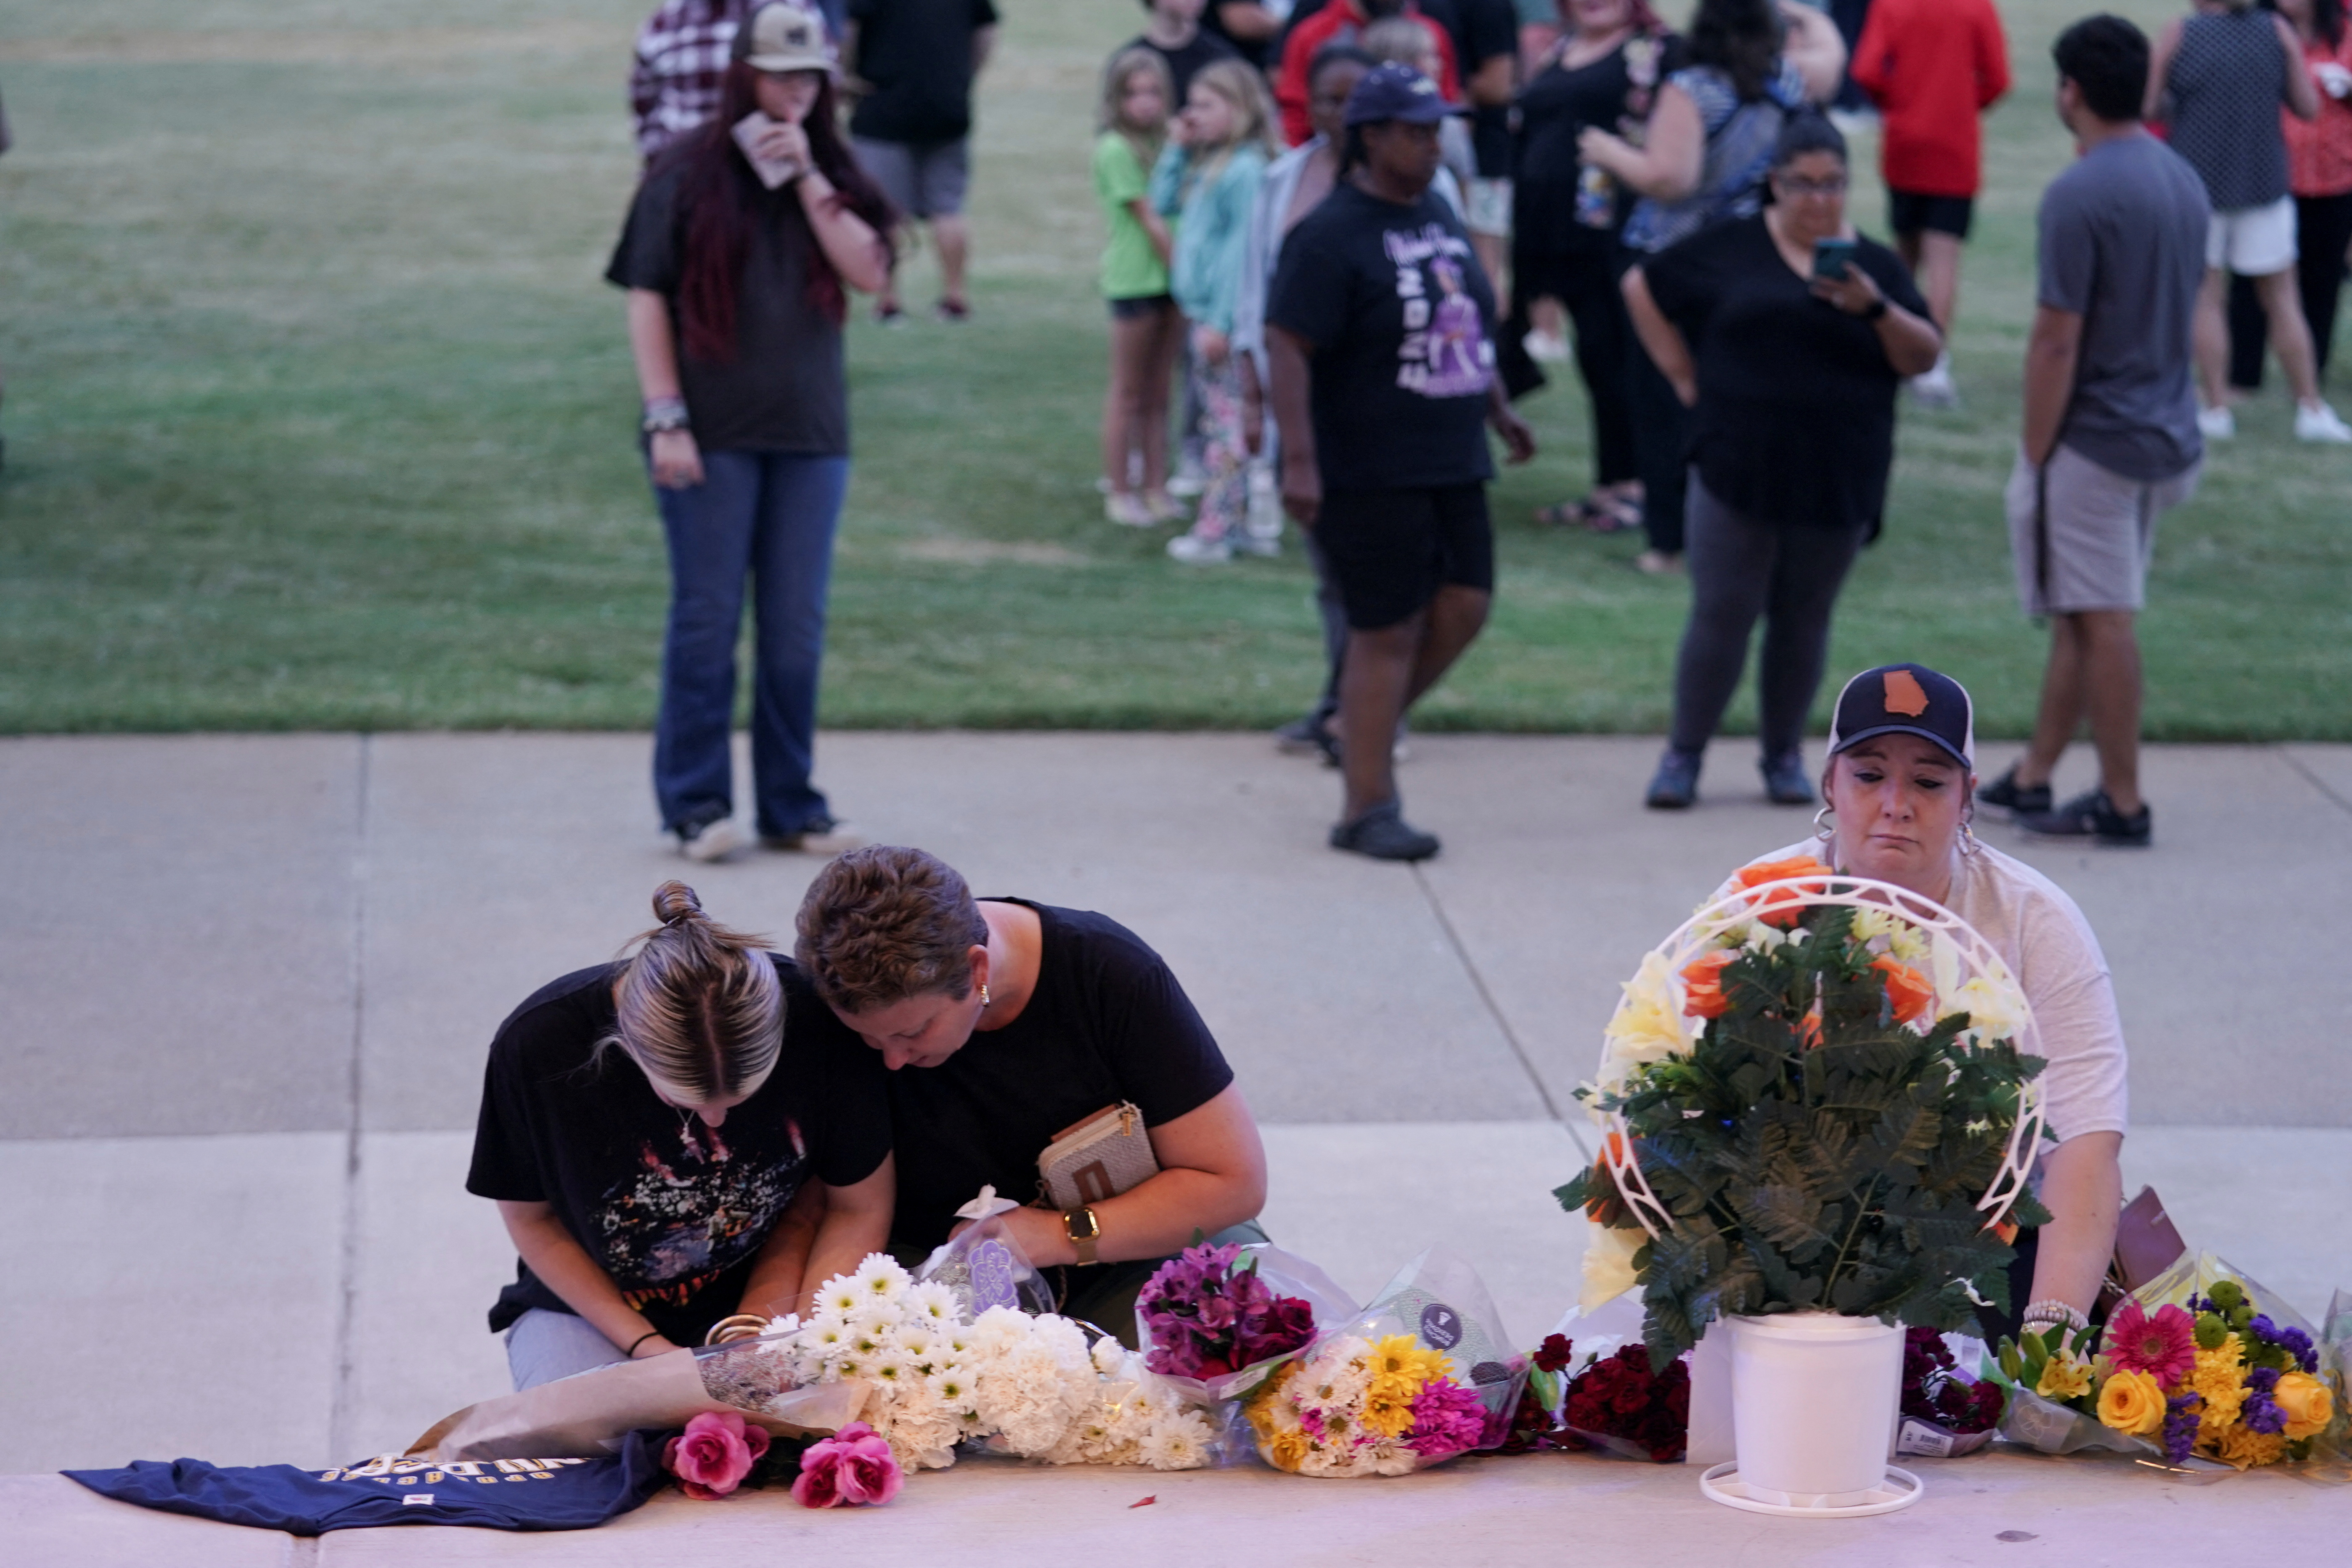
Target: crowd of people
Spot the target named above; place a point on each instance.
(1341, 238)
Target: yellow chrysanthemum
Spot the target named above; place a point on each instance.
(1287, 1451)
(1401, 1359)
(1386, 1413)
(1261, 1406)
(2220, 1380)
(2245, 1450)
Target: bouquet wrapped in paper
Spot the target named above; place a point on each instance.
(2201, 1362)
(1033, 1386)
(1421, 1375)
(1215, 1321)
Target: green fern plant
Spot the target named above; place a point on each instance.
(1815, 1153)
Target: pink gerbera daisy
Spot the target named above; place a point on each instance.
(2163, 1346)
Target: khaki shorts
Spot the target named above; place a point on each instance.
(2082, 535)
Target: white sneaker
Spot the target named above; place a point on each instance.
(712, 841)
(1933, 388)
(1187, 482)
(2317, 421)
(2220, 425)
(1545, 348)
(832, 839)
(1127, 509)
(1194, 550)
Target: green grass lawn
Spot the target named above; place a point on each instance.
(319, 415)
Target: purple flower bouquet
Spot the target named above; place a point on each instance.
(1214, 1321)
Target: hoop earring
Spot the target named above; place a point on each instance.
(1824, 823)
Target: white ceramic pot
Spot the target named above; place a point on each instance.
(1814, 1398)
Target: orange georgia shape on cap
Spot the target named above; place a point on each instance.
(1905, 695)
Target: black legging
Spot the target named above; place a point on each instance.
(1660, 441)
(1740, 569)
(2322, 232)
(1584, 280)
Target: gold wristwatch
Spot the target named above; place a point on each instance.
(1083, 1231)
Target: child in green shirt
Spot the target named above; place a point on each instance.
(1146, 330)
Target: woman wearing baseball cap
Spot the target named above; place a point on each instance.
(1379, 329)
(738, 252)
(1901, 783)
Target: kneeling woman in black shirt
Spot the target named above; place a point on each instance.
(647, 1127)
(1379, 343)
(1789, 354)
(1004, 1024)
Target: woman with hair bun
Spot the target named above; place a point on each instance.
(682, 1134)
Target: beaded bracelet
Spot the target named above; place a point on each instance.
(2053, 1311)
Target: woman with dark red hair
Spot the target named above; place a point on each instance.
(737, 253)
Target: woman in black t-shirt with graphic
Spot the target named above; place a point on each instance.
(1786, 334)
(650, 1130)
(1004, 1024)
(1379, 329)
(1566, 216)
(735, 259)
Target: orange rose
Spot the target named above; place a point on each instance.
(1703, 995)
(1779, 871)
(1906, 989)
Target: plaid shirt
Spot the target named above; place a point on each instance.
(681, 65)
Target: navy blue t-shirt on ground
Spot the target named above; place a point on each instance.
(490, 1494)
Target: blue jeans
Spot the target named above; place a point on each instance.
(542, 1346)
(769, 516)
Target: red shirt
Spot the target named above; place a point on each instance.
(1328, 25)
(2320, 151)
(1933, 66)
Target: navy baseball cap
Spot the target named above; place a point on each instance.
(1394, 91)
(1906, 699)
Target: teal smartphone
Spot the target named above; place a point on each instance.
(1833, 259)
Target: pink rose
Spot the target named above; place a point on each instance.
(852, 1466)
(714, 1454)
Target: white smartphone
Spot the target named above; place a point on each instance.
(771, 174)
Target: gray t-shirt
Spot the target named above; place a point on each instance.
(2123, 245)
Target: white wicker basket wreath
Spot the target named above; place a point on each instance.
(1960, 954)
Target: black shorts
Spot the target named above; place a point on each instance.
(1140, 305)
(1390, 551)
(1908, 212)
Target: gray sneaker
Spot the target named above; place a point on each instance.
(1383, 834)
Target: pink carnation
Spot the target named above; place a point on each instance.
(1447, 1419)
(714, 1454)
(853, 1467)
(2163, 1346)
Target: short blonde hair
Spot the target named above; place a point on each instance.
(698, 1007)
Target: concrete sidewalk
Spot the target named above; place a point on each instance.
(249, 982)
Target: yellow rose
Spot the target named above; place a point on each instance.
(2066, 1377)
(2306, 1403)
(2131, 1402)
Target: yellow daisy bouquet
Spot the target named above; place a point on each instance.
(1414, 1381)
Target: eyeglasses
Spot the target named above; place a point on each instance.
(1802, 187)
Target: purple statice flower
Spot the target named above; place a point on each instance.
(2261, 1413)
(2297, 1344)
(1447, 1419)
(2180, 1422)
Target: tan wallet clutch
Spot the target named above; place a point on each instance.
(1098, 1158)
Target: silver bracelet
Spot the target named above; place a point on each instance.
(2049, 1309)
(664, 414)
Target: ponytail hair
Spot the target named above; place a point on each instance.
(698, 1007)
